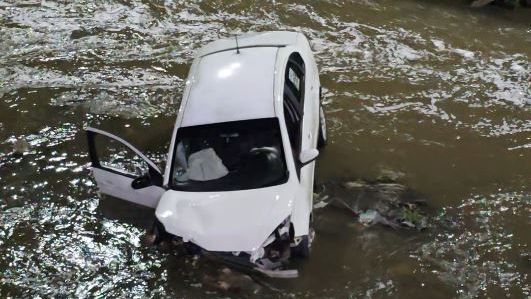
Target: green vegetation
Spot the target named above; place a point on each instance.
(411, 215)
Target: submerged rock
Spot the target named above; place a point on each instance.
(20, 146)
(229, 281)
(388, 175)
(481, 3)
(84, 32)
(354, 184)
(501, 3)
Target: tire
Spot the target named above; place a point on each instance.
(159, 231)
(322, 137)
(303, 249)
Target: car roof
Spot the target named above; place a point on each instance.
(252, 39)
(228, 86)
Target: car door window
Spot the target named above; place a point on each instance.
(295, 77)
(293, 104)
(122, 171)
(115, 156)
(292, 124)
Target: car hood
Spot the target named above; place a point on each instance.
(225, 221)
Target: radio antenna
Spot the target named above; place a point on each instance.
(237, 46)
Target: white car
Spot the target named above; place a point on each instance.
(240, 169)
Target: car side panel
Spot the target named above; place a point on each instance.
(310, 133)
(303, 204)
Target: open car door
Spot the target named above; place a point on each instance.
(122, 171)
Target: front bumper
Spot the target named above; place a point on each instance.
(270, 259)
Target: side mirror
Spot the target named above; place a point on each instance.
(308, 156)
(141, 182)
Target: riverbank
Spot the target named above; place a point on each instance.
(501, 3)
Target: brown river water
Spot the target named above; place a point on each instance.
(437, 94)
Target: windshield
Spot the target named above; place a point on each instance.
(229, 156)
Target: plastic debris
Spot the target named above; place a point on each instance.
(320, 204)
(279, 273)
(368, 217)
(408, 224)
(354, 184)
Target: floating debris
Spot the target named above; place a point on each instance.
(387, 203)
(368, 217)
(321, 203)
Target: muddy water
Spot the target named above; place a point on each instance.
(438, 94)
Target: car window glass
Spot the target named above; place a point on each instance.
(294, 79)
(293, 103)
(291, 125)
(115, 156)
(228, 156)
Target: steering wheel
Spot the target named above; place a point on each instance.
(269, 152)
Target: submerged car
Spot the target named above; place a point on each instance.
(240, 168)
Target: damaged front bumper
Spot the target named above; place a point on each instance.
(270, 259)
(272, 256)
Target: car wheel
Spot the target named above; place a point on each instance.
(159, 232)
(322, 138)
(303, 249)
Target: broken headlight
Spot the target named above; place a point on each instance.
(276, 247)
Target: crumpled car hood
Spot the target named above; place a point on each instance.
(225, 221)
